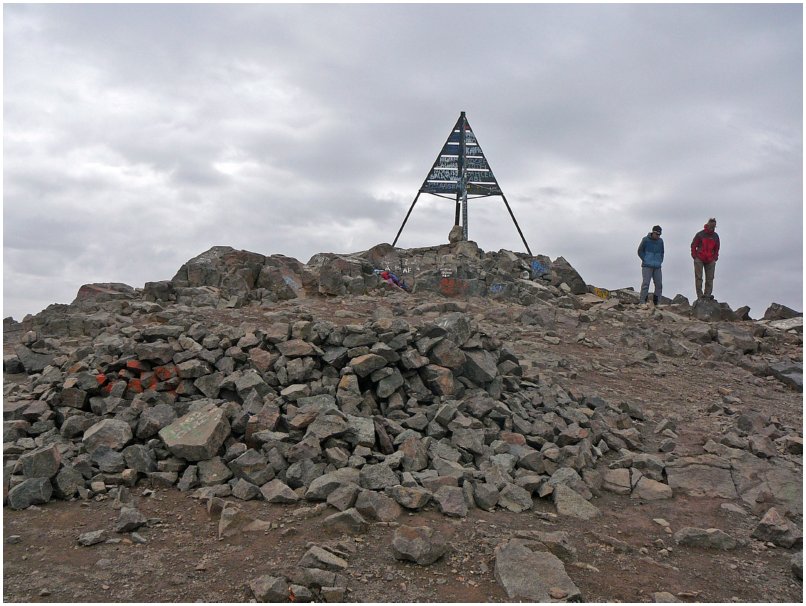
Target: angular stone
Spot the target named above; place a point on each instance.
(36, 491)
(411, 497)
(481, 366)
(193, 369)
(471, 440)
(412, 360)
(300, 593)
(139, 458)
(446, 353)
(213, 471)
(558, 543)
(108, 460)
(415, 455)
(129, 519)
(776, 528)
(68, 482)
(420, 544)
(733, 337)
(762, 446)
(514, 498)
(233, 521)
(198, 435)
(41, 463)
(451, 501)
(389, 385)
(365, 365)
(651, 490)
(569, 477)
(245, 491)
(316, 557)
(617, 480)
(153, 419)
(210, 385)
(777, 311)
(344, 497)
(321, 487)
(73, 397)
(377, 477)
(570, 503)
(296, 348)
(94, 537)
(438, 379)
(161, 353)
(376, 506)
(113, 433)
(710, 538)
(485, 495)
(252, 467)
(277, 491)
(32, 362)
(269, 589)
(327, 426)
(362, 431)
(531, 576)
(189, 479)
(348, 521)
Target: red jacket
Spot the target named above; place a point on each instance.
(705, 245)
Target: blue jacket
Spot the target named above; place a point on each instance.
(651, 251)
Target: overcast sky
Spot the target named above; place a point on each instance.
(138, 136)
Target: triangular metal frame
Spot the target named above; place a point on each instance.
(461, 171)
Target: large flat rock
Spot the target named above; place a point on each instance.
(198, 435)
(702, 481)
(532, 576)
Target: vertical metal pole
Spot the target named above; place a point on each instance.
(516, 224)
(456, 221)
(462, 164)
(406, 219)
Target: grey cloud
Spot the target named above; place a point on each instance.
(148, 133)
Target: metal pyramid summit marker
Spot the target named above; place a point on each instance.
(461, 173)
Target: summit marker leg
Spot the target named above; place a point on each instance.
(406, 219)
(516, 224)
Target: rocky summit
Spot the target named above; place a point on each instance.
(354, 440)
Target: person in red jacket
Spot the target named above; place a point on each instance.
(705, 252)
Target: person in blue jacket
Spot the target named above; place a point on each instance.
(651, 253)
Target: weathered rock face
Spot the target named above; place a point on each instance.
(225, 277)
(776, 311)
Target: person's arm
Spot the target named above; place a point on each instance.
(716, 249)
(641, 247)
(661, 251)
(695, 244)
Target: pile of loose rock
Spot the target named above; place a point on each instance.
(300, 410)
(130, 387)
